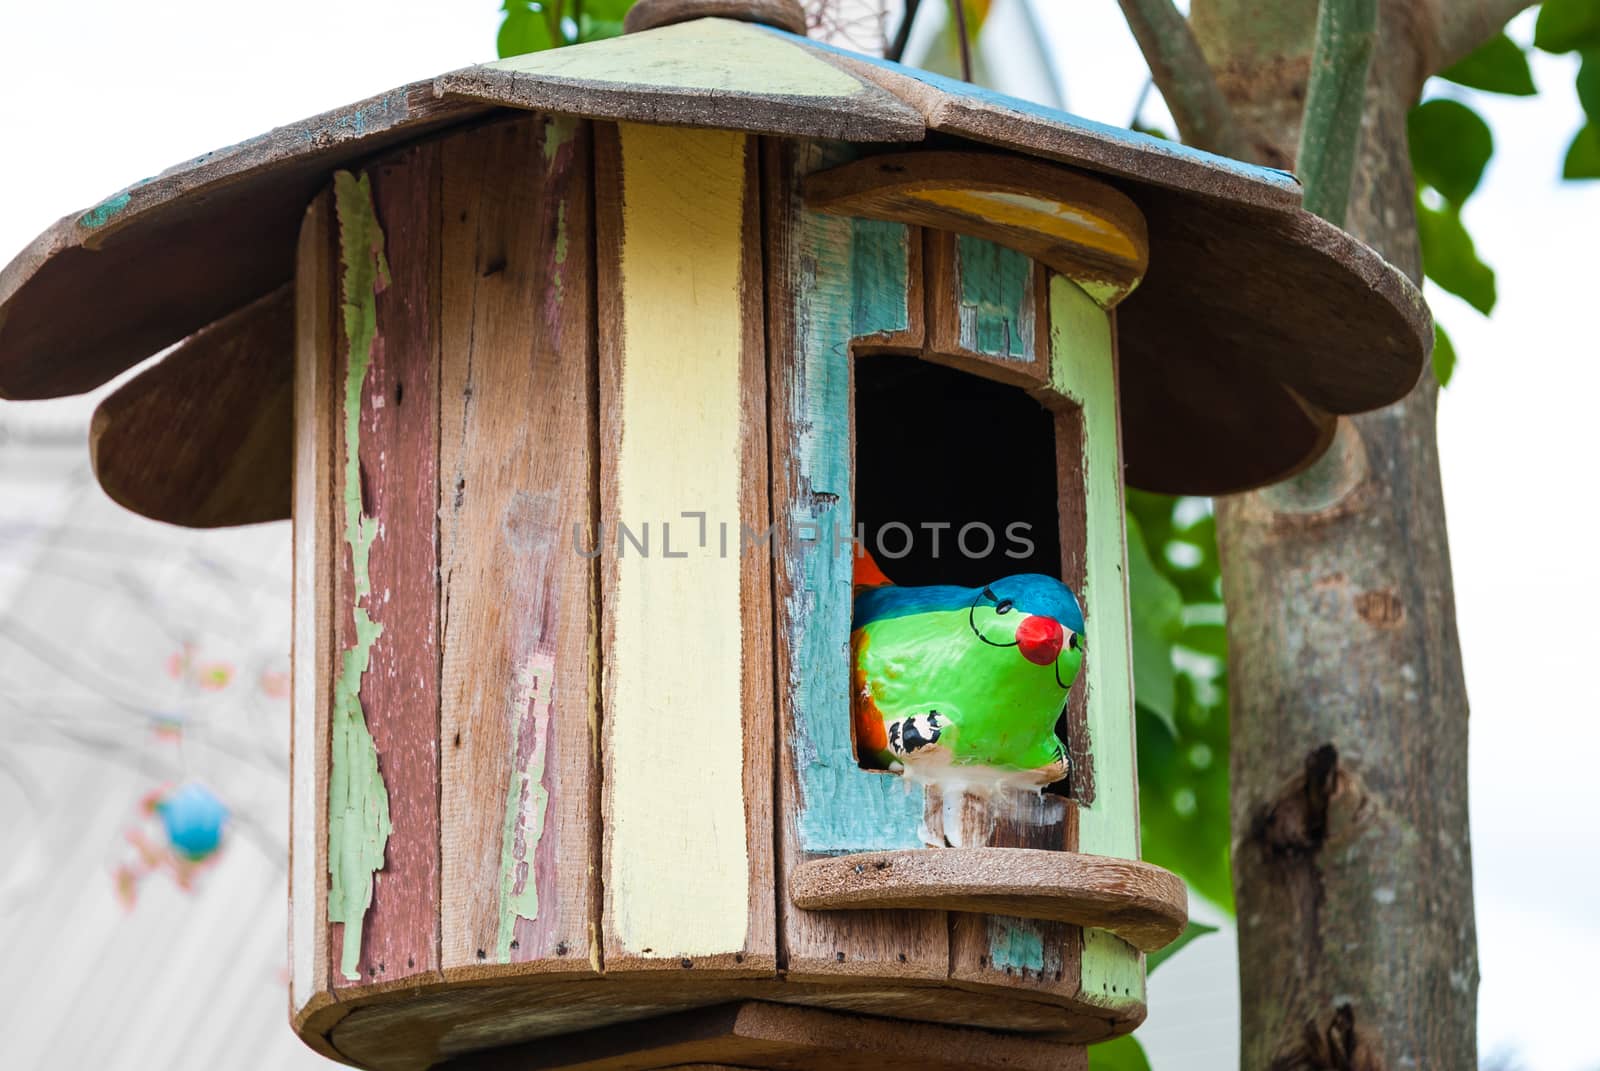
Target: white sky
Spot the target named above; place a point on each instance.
(94, 95)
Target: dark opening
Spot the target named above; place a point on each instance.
(937, 446)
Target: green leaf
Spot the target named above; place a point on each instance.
(1190, 932)
(524, 30)
(1157, 610)
(1583, 158)
(1450, 147)
(1450, 258)
(1444, 356)
(1589, 83)
(1565, 25)
(1500, 66)
(1121, 1054)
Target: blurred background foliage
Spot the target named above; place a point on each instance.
(1179, 622)
(1451, 145)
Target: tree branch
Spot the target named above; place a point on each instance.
(1184, 77)
(1347, 32)
(1464, 25)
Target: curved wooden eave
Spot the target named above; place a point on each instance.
(182, 444)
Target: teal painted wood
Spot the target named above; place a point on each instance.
(996, 300)
(849, 278)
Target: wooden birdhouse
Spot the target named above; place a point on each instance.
(583, 376)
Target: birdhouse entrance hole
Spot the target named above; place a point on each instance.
(955, 474)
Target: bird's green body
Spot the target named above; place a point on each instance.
(965, 686)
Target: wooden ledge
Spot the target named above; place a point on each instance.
(1143, 904)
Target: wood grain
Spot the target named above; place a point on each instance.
(315, 326)
(1078, 227)
(773, 1036)
(410, 1032)
(397, 461)
(686, 716)
(831, 281)
(984, 305)
(518, 777)
(1084, 369)
(1140, 902)
(181, 444)
(709, 73)
(169, 255)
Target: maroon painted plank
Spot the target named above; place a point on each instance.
(398, 450)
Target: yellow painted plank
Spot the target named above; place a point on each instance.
(678, 860)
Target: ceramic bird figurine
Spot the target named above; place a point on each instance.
(962, 687)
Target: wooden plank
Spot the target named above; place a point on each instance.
(181, 444)
(983, 115)
(388, 595)
(312, 654)
(1010, 950)
(1084, 369)
(707, 73)
(1140, 902)
(832, 281)
(412, 1032)
(518, 778)
(686, 716)
(1076, 226)
(171, 254)
(988, 315)
(984, 310)
(757, 1034)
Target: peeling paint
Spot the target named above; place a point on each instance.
(358, 800)
(527, 799)
(1013, 947)
(102, 213)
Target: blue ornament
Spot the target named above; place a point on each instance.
(193, 817)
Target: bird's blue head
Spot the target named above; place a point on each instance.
(1040, 596)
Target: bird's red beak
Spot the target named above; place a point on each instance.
(1040, 639)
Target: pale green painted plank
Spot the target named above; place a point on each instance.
(358, 801)
(715, 55)
(1082, 367)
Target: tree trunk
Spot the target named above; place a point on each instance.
(1351, 855)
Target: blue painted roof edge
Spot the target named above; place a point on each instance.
(1271, 176)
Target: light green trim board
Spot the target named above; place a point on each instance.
(1083, 368)
(358, 801)
(713, 55)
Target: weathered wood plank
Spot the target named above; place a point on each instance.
(315, 324)
(389, 610)
(707, 73)
(1084, 370)
(682, 645)
(181, 444)
(984, 310)
(517, 484)
(758, 1034)
(173, 253)
(1140, 902)
(832, 281)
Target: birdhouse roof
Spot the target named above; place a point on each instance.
(1254, 314)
